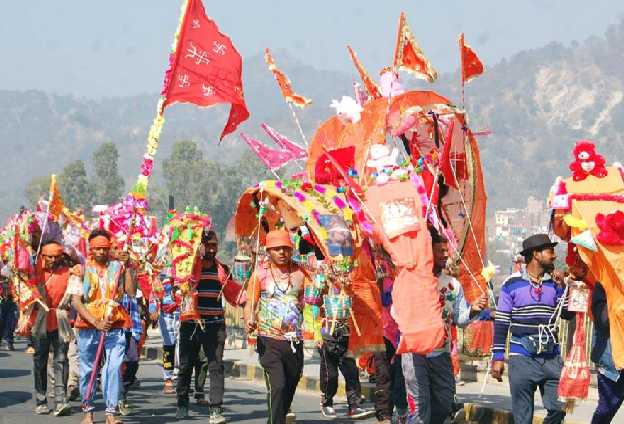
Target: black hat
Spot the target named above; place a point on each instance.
(536, 242)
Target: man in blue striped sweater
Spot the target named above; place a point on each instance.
(529, 305)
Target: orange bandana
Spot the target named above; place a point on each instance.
(52, 249)
(100, 242)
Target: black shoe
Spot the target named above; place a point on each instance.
(182, 412)
(11, 347)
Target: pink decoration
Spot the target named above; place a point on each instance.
(339, 202)
(273, 159)
(299, 196)
(319, 188)
(147, 166)
(297, 151)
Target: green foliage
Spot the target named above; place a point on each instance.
(76, 190)
(37, 188)
(108, 184)
(214, 187)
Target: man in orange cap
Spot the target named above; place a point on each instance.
(97, 302)
(274, 308)
(51, 331)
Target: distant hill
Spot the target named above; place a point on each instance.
(537, 103)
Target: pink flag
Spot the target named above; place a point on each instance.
(297, 151)
(273, 159)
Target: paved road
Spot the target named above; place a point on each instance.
(245, 402)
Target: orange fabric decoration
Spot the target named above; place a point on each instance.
(284, 83)
(334, 134)
(607, 265)
(416, 305)
(371, 87)
(470, 276)
(408, 55)
(100, 242)
(471, 65)
(55, 202)
(365, 308)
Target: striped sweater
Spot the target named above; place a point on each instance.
(521, 309)
(209, 301)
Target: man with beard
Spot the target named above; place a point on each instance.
(97, 302)
(527, 306)
(51, 330)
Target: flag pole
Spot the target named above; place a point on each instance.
(296, 118)
(461, 70)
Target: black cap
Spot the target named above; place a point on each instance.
(536, 242)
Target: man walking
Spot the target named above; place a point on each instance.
(429, 379)
(97, 302)
(51, 331)
(529, 305)
(274, 307)
(210, 335)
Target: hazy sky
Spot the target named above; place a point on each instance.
(119, 47)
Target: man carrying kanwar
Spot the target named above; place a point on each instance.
(529, 306)
(212, 278)
(429, 379)
(99, 311)
(274, 308)
(51, 330)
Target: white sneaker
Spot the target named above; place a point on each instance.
(328, 411)
(291, 418)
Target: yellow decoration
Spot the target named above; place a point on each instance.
(574, 222)
(488, 272)
(308, 205)
(347, 214)
(323, 233)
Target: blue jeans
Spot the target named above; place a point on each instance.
(610, 398)
(526, 375)
(114, 347)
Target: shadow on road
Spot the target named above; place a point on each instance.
(13, 373)
(13, 398)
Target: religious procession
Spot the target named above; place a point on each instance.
(373, 252)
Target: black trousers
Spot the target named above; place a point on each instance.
(212, 340)
(332, 360)
(282, 371)
(43, 346)
(390, 384)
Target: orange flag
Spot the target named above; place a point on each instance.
(55, 200)
(370, 85)
(471, 65)
(284, 83)
(409, 57)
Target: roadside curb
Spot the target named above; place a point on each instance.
(474, 413)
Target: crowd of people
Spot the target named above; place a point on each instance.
(93, 325)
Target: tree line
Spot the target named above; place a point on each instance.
(188, 176)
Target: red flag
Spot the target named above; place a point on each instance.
(335, 157)
(471, 65)
(297, 151)
(445, 159)
(55, 202)
(273, 159)
(368, 82)
(408, 55)
(204, 67)
(284, 83)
